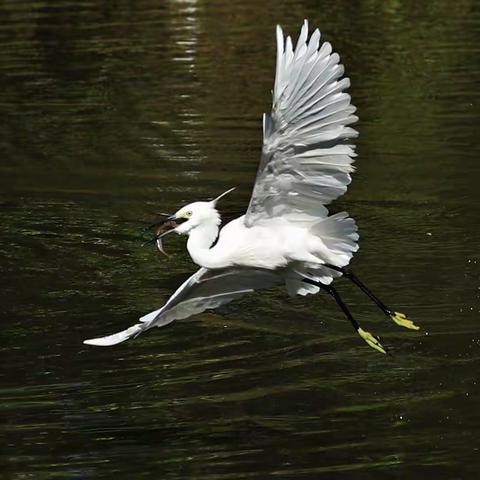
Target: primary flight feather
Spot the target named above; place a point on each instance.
(286, 235)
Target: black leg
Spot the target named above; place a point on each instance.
(371, 340)
(397, 317)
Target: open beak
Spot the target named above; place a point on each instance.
(165, 219)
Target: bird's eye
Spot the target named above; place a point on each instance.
(188, 214)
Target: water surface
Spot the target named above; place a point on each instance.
(113, 112)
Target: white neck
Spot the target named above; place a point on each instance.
(199, 242)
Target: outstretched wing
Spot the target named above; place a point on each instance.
(306, 155)
(205, 289)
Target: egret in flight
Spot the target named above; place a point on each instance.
(286, 236)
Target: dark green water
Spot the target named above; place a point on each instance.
(114, 111)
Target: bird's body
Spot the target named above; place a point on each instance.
(286, 235)
(239, 246)
(273, 245)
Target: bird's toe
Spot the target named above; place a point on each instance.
(372, 341)
(401, 319)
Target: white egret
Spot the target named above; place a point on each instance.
(286, 235)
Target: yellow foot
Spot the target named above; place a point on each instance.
(371, 340)
(403, 321)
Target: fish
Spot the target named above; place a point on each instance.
(164, 226)
(163, 229)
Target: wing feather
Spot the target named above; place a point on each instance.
(307, 154)
(204, 290)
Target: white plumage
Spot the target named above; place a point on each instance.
(286, 236)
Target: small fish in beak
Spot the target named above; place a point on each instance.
(165, 226)
(161, 231)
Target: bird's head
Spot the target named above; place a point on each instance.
(195, 215)
(188, 218)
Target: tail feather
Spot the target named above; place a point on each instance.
(294, 278)
(339, 234)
